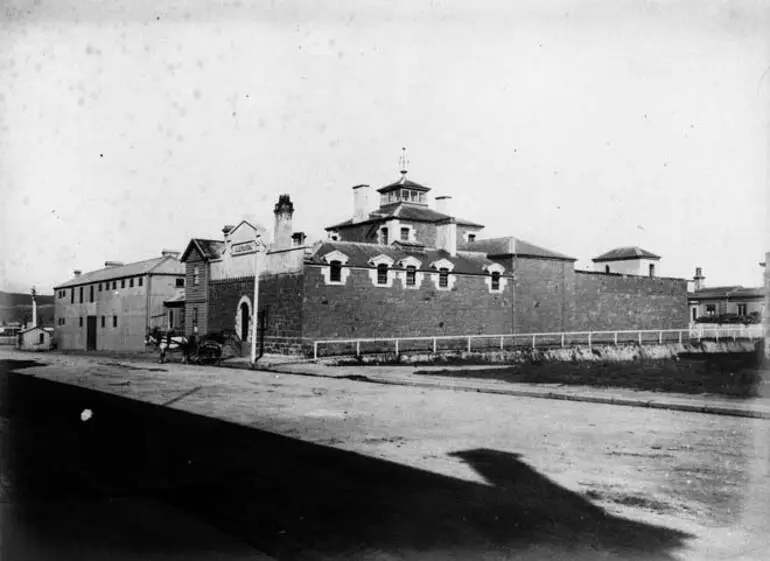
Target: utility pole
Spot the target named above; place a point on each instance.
(259, 247)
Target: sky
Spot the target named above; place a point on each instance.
(127, 127)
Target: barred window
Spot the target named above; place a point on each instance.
(382, 274)
(443, 277)
(411, 275)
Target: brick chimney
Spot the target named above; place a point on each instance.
(698, 279)
(444, 204)
(446, 236)
(284, 211)
(361, 201)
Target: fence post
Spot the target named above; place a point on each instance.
(640, 337)
(562, 340)
(315, 350)
(680, 336)
(358, 348)
(734, 334)
(469, 343)
(434, 345)
(616, 338)
(589, 339)
(716, 334)
(533, 342)
(660, 337)
(501, 342)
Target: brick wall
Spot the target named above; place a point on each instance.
(280, 296)
(544, 294)
(609, 302)
(360, 309)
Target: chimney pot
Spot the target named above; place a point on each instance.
(77, 272)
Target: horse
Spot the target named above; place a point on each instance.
(168, 342)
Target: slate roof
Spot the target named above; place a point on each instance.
(725, 292)
(136, 269)
(209, 249)
(359, 254)
(623, 253)
(407, 211)
(510, 245)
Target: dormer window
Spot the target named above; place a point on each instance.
(471, 238)
(384, 236)
(381, 273)
(335, 273)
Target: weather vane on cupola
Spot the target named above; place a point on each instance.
(403, 161)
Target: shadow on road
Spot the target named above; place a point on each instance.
(288, 498)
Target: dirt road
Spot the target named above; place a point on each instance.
(307, 468)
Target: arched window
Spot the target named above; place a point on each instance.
(495, 280)
(411, 275)
(335, 271)
(443, 277)
(382, 273)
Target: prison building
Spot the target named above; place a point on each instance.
(399, 268)
(113, 308)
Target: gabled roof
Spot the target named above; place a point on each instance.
(156, 265)
(359, 254)
(208, 249)
(406, 211)
(624, 253)
(725, 292)
(510, 245)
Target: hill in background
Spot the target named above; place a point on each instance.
(17, 307)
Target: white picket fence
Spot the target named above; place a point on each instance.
(468, 343)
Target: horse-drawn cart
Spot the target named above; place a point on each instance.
(192, 350)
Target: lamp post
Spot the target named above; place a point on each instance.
(259, 247)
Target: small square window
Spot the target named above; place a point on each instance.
(123, 283)
(140, 279)
(114, 321)
(471, 238)
(179, 282)
(131, 283)
(405, 234)
(114, 285)
(100, 287)
(81, 321)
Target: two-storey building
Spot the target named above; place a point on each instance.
(114, 307)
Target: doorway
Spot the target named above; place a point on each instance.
(245, 320)
(91, 333)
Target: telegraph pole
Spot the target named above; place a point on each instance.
(259, 247)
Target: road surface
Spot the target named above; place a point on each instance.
(239, 463)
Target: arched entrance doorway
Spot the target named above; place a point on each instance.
(245, 316)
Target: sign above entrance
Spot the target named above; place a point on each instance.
(246, 247)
